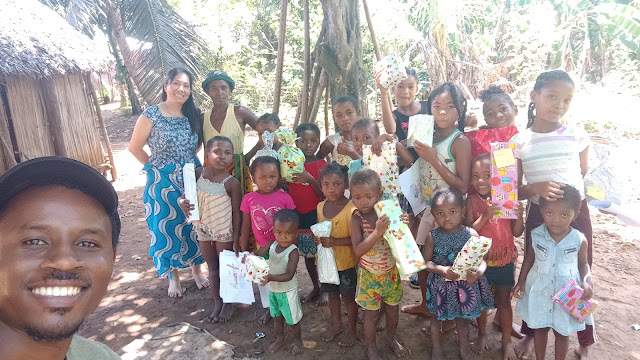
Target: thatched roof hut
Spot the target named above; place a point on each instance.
(46, 99)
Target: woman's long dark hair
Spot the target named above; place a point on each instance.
(189, 109)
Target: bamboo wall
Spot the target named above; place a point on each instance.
(54, 116)
(7, 160)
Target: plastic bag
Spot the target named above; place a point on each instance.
(267, 138)
(471, 255)
(569, 299)
(234, 288)
(389, 71)
(386, 165)
(291, 158)
(255, 268)
(327, 268)
(403, 246)
(421, 129)
(603, 181)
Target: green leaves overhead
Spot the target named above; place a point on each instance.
(165, 40)
(622, 21)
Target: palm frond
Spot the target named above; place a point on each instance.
(166, 40)
(81, 14)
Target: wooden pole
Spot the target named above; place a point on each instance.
(373, 34)
(52, 110)
(312, 92)
(307, 60)
(326, 111)
(296, 122)
(103, 129)
(317, 96)
(280, 63)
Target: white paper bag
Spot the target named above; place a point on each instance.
(421, 129)
(410, 186)
(190, 192)
(234, 288)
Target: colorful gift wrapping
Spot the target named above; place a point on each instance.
(569, 298)
(481, 139)
(403, 246)
(504, 179)
(389, 71)
(421, 129)
(255, 268)
(291, 158)
(471, 255)
(386, 165)
(267, 138)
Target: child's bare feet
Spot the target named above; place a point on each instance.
(297, 347)
(226, 312)
(416, 309)
(447, 326)
(372, 354)
(202, 281)
(276, 345)
(582, 352)
(524, 347)
(265, 318)
(508, 352)
(394, 345)
(312, 295)
(347, 339)
(515, 328)
(382, 321)
(323, 299)
(480, 344)
(331, 334)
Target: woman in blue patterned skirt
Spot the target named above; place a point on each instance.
(173, 131)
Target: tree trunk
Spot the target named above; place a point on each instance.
(280, 62)
(103, 128)
(341, 53)
(116, 31)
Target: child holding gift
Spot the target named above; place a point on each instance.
(453, 299)
(219, 197)
(552, 154)
(445, 164)
(366, 132)
(259, 207)
(338, 209)
(500, 259)
(307, 194)
(284, 303)
(266, 122)
(379, 282)
(555, 253)
(345, 113)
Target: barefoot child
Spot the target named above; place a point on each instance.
(555, 253)
(552, 154)
(338, 209)
(452, 300)
(219, 197)
(379, 282)
(339, 145)
(501, 266)
(284, 303)
(307, 194)
(259, 207)
(448, 161)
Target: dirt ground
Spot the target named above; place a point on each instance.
(136, 302)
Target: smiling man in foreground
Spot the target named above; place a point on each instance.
(59, 228)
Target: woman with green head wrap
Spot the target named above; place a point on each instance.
(228, 120)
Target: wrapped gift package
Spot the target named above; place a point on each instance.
(569, 298)
(481, 139)
(386, 165)
(471, 255)
(504, 179)
(421, 129)
(291, 158)
(255, 268)
(327, 268)
(389, 71)
(403, 246)
(190, 191)
(268, 139)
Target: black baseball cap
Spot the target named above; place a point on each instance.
(57, 170)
